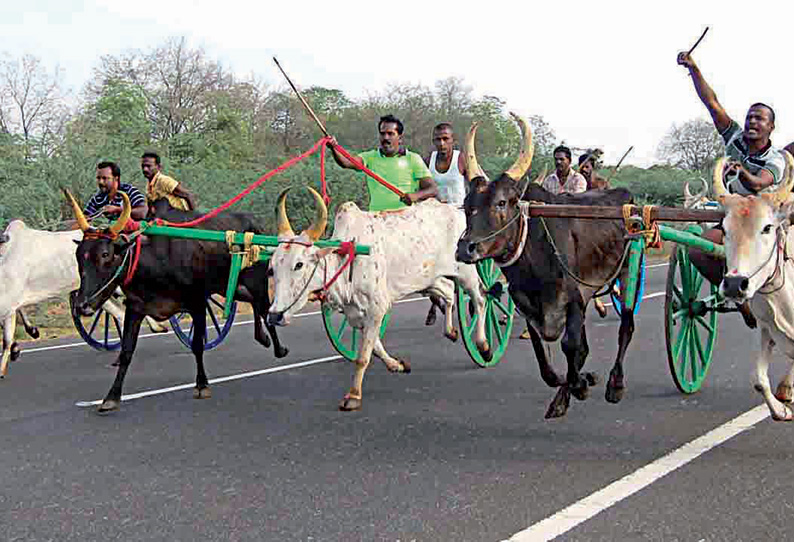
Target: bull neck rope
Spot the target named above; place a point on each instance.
(523, 207)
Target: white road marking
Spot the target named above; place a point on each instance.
(161, 391)
(148, 335)
(579, 512)
(644, 297)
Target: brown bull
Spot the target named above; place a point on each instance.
(554, 266)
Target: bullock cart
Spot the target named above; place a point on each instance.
(692, 304)
(344, 338)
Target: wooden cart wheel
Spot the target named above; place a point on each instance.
(499, 311)
(616, 301)
(101, 331)
(345, 338)
(690, 322)
(217, 328)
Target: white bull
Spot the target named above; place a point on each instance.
(411, 250)
(35, 266)
(760, 269)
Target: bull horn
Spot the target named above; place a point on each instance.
(78, 212)
(782, 194)
(719, 185)
(521, 166)
(317, 229)
(284, 227)
(473, 168)
(542, 177)
(126, 212)
(687, 193)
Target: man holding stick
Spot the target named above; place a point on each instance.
(754, 165)
(394, 163)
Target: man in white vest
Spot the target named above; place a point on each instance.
(449, 172)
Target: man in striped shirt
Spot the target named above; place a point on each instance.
(107, 201)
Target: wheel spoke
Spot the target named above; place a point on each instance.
(215, 302)
(343, 325)
(496, 327)
(682, 333)
(118, 327)
(354, 338)
(214, 321)
(701, 354)
(702, 321)
(678, 294)
(107, 327)
(472, 323)
(683, 350)
(95, 322)
(501, 306)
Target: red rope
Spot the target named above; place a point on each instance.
(134, 265)
(368, 171)
(289, 163)
(347, 248)
(319, 145)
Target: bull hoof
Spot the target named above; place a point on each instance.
(431, 317)
(581, 392)
(281, 352)
(34, 332)
(592, 379)
(559, 406)
(452, 336)
(486, 353)
(15, 352)
(108, 405)
(614, 393)
(202, 393)
(783, 393)
(114, 364)
(406, 367)
(788, 415)
(348, 404)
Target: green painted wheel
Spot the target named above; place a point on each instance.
(499, 311)
(690, 322)
(345, 338)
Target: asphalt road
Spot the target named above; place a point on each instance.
(450, 452)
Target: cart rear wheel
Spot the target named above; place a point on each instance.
(499, 311)
(345, 338)
(101, 331)
(217, 328)
(690, 322)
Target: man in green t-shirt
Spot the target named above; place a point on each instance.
(399, 167)
(402, 169)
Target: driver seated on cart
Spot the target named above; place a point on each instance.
(754, 165)
(107, 200)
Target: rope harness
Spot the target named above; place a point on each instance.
(346, 248)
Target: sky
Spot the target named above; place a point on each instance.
(601, 74)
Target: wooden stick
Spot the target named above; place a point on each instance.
(703, 35)
(305, 104)
(615, 169)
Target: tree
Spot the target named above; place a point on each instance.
(693, 145)
(32, 104)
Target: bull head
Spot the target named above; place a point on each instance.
(315, 230)
(114, 228)
(491, 207)
(294, 264)
(755, 229)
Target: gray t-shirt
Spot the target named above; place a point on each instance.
(770, 159)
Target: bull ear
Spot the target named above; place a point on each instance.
(479, 184)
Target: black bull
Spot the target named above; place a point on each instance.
(172, 275)
(547, 294)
